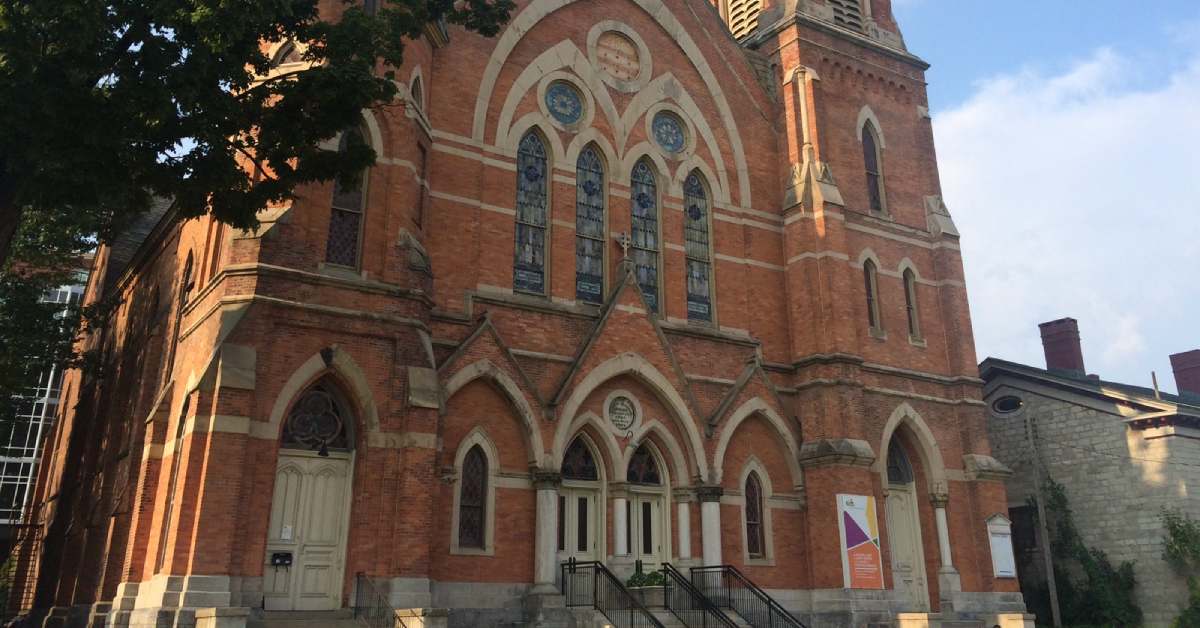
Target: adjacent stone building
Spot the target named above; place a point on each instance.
(621, 287)
(1122, 453)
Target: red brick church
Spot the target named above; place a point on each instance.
(646, 284)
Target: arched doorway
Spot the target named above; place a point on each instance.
(306, 536)
(904, 532)
(579, 517)
(646, 514)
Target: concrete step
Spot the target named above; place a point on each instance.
(343, 618)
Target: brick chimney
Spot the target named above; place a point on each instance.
(1060, 340)
(1187, 372)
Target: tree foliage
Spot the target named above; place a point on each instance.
(106, 103)
(1091, 591)
(1181, 550)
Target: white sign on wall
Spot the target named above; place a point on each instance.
(1004, 564)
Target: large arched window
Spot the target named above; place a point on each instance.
(529, 263)
(899, 469)
(589, 227)
(756, 543)
(910, 304)
(872, 160)
(644, 202)
(871, 286)
(696, 245)
(472, 500)
(643, 468)
(346, 215)
(578, 463)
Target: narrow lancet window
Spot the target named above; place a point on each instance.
(910, 304)
(644, 201)
(472, 499)
(699, 261)
(871, 286)
(346, 215)
(529, 264)
(589, 227)
(755, 538)
(871, 160)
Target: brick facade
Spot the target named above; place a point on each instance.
(162, 472)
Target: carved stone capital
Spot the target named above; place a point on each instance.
(939, 500)
(981, 467)
(709, 493)
(842, 451)
(546, 480)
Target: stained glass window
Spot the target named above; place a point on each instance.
(579, 464)
(871, 161)
(644, 201)
(345, 219)
(589, 227)
(472, 499)
(317, 421)
(699, 263)
(872, 287)
(529, 264)
(910, 303)
(642, 467)
(755, 538)
(899, 469)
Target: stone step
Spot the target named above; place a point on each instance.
(343, 618)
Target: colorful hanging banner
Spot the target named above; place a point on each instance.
(862, 560)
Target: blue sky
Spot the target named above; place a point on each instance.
(1067, 143)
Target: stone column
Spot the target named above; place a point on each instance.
(544, 537)
(948, 579)
(684, 517)
(621, 523)
(710, 523)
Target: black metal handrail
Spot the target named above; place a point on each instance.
(373, 607)
(728, 587)
(591, 584)
(690, 604)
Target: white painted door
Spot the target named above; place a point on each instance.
(908, 556)
(309, 518)
(577, 529)
(645, 534)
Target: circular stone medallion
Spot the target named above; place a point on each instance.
(622, 412)
(618, 56)
(668, 132)
(564, 102)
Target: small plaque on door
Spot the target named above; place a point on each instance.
(286, 533)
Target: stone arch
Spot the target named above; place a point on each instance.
(657, 10)
(611, 448)
(476, 437)
(346, 372)
(591, 136)
(536, 122)
(752, 407)
(694, 163)
(677, 462)
(637, 366)
(866, 115)
(662, 172)
(907, 264)
(508, 387)
(373, 136)
(869, 254)
(926, 446)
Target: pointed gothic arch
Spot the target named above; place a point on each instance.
(676, 461)
(925, 445)
(337, 363)
(638, 367)
(758, 406)
(508, 387)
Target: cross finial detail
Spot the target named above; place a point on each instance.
(623, 241)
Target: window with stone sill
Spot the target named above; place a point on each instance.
(910, 305)
(872, 160)
(529, 257)
(346, 211)
(871, 287)
(756, 544)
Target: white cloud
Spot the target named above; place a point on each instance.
(1079, 196)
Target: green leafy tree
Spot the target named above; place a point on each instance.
(1181, 550)
(106, 103)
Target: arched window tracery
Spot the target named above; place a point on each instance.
(579, 464)
(589, 227)
(529, 263)
(899, 469)
(645, 245)
(318, 421)
(643, 468)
